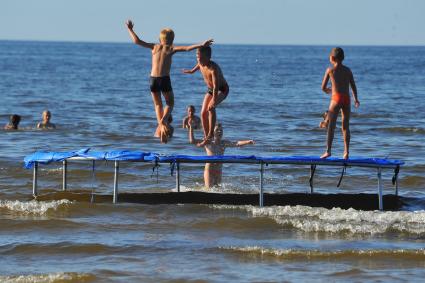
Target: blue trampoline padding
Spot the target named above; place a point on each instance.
(205, 158)
(317, 159)
(126, 155)
(119, 155)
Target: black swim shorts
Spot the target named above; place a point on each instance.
(224, 89)
(162, 84)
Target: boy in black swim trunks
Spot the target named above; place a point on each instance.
(160, 74)
(218, 89)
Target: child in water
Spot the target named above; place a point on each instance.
(13, 122)
(341, 79)
(217, 146)
(160, 74)
(191, 118)
(46, 124)
(218, 89)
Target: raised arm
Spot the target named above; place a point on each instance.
(325, 81)
(135, 38)
(194, 69)
(192, 139)
(191, 47)
(238, 143)
(354, 90)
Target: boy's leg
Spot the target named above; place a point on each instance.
(205, 114)
(332, 116)
(157, 102)
(212, 113)
(207, 176)
(346, 111)
(169, 101)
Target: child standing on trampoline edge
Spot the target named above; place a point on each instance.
(160, 74)
(341, 79)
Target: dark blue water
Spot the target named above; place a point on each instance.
(99, 97)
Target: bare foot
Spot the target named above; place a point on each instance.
(163, 136)
(326, 154)
(345, 155)
(206, 141)
(157, 132)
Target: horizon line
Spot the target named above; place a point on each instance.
(247, 44)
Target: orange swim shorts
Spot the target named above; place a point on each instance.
(341, 99)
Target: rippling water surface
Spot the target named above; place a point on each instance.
(98, 95)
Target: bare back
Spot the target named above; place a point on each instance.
(341, 78)
(161, 60)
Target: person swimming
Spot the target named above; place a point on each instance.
(213, 171)
(14, 121)
(45, 123)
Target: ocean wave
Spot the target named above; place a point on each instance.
(337, 220)
(332, 255)
(401, 130)
(33, 207)
(50, 277)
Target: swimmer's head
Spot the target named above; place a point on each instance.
(190, 110)
(203, 55)
(166, 36)
(337, 54)
(218, 131)
(46, 115)
(14, 120)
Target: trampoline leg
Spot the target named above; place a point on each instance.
(178, 177)
(34, 180)
(312, 170)
(261, 184)
(396, 185)
(117, 167)
(64, 169)
(381, 204)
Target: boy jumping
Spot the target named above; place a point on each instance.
(341, 79)
(160, 74)
(218, 89)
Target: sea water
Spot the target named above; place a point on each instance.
(98, 94)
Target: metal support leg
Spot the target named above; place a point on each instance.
(117, 167)
(34, 180)
(312, 170)
(381, 204)
(64, 169)
(261, 184)
(396, 185)
(178, 177)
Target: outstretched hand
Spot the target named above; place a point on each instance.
(184, 71)
(356, 104)
(208, 42)
(129, 24)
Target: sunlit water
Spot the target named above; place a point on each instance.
(99, 98)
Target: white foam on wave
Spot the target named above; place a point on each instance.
(33, 206)
(51, 277)
(336, 220)
(310, 254)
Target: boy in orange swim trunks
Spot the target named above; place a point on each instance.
(341, 79)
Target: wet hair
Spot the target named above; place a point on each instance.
(167, 35)
(337, 53)
(15, 119)
(170, 119)
(191, 107)
(205, 50)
